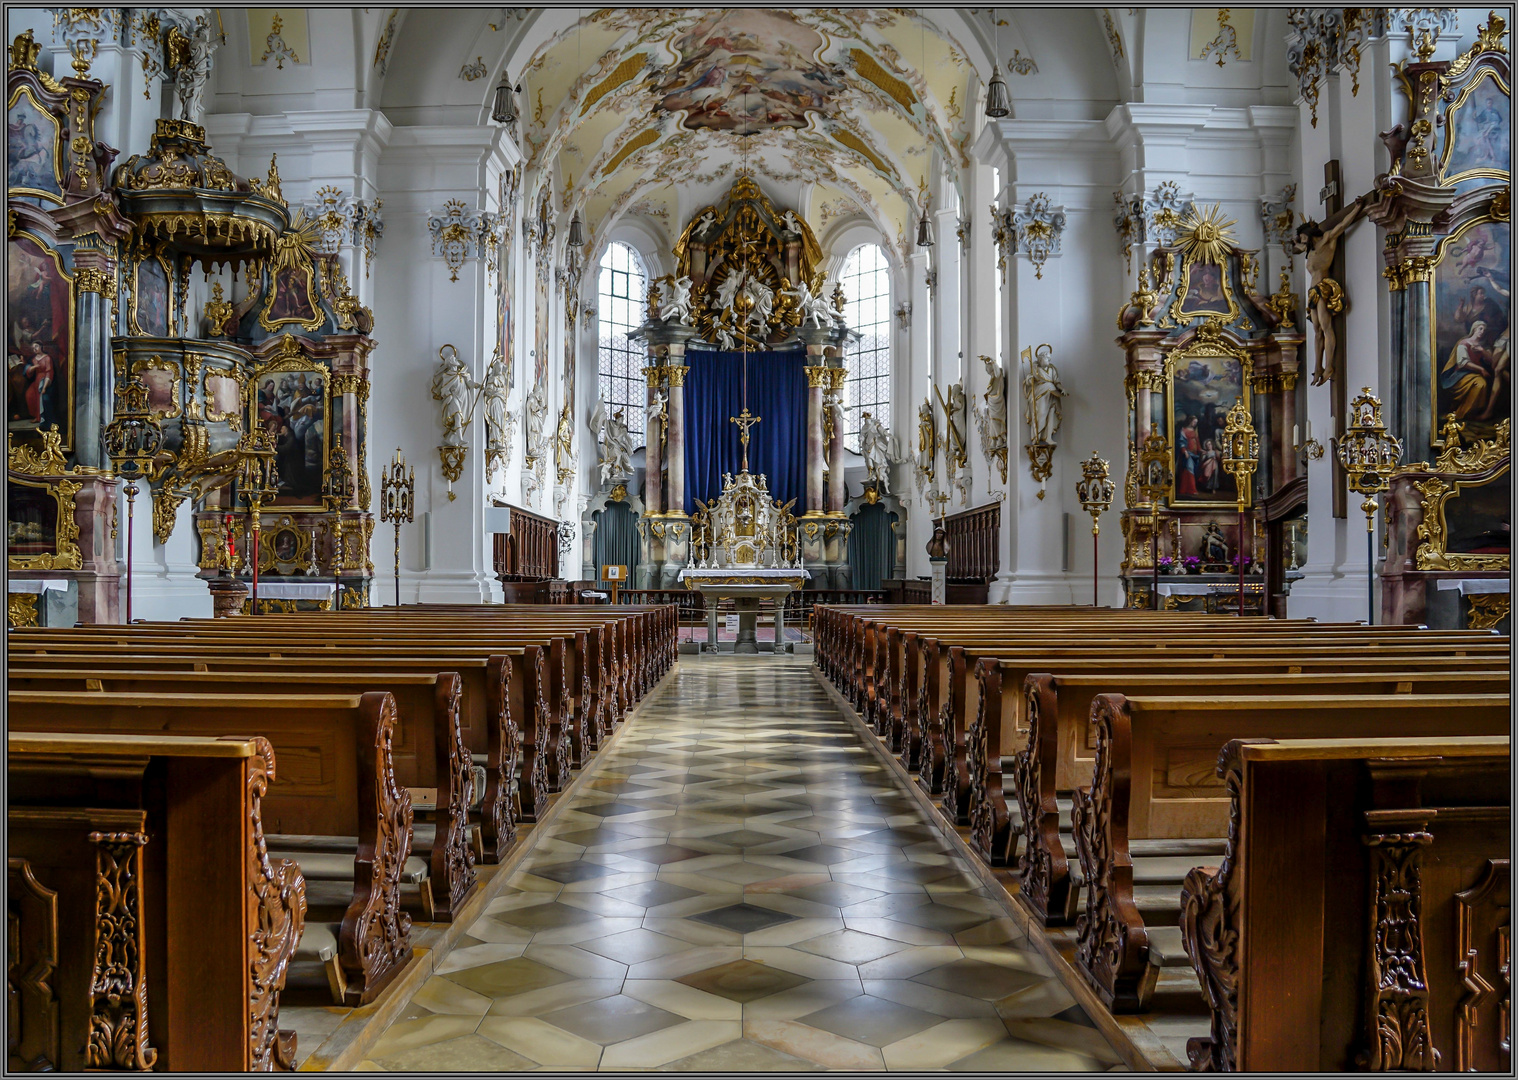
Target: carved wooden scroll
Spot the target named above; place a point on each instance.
(534, 785)
(375, 940)
(118, 1034)
(31, 963)
(990, 824)
(911, 708)
(558, 744)
(1045, 886)
(1396, 1019)
(930, 766)
(956, 781)
(452, 856)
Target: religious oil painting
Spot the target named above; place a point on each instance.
(746, 70)
(1205, 293)
(150, 299)
(31, 519)
(291, 301)
(31, 148)
(163, 387)
(1481, 142)
(39, 360)
(1477, 519)
(1472, 307)
(223, 397)
(292, 408)
(1203, 389)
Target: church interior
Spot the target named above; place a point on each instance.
(963, 562)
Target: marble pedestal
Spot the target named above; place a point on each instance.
(746, 588)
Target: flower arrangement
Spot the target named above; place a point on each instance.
(1193, 564)
(1167, 564)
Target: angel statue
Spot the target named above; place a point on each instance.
(814, 309)
(728, 290)
(764, 302)
(705, 223)
(792, 223)
(615, 442)
(875, 446)
(494, 392)
(1041, 393)
(452, 386)
(657, 412)
(677, 307)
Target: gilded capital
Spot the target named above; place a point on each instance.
(816, 378)
(837, 376)
(656, 376)
(676, 374)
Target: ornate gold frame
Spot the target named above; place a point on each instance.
(65, 362)
(1449, 128)
(58, 147)
(267, 559)
(170, 323)
(158, 363)
(1178, 311)
(1436, 362)
(291, 357)
(235, 417)
(65, 554)
(293, 250)
(1208, 342)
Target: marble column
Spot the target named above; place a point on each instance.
(653, 484)
(838, 492)
(816, 380)
(675, 451)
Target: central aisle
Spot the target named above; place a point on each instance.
(742, 885)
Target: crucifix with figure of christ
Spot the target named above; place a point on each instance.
(744, 420)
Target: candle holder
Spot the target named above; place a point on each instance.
(398, 505)
(1154, 480)
(1241, 456)
(133, 440)
(1311, 449)
(1094, 490)
(257, 483)
(1368, 453)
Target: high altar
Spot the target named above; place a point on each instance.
(747, 296)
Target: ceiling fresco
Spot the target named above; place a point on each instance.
(635, 99)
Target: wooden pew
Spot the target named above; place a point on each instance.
(504, 700)
(148, 929)
(1154, 779)
(1058, 757)
(335, 778)
(1359, 920)
(427, 752)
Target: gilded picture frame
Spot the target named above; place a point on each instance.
(301, 277)
(141, 296)
(40, 314)
(1444, 329)
(1434, 533)
(21, 171)
(1191, 301)
(64, 553)
(284, 547)
(157, 391)
(222, 406)
(1203, 381)
(283, 398)
(1453, 117)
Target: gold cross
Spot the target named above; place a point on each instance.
(744, 422)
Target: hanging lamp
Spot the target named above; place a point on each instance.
(504, 109)
(576, 237)
(924, 233)
(998, 98)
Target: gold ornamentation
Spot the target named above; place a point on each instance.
(176, 385)
(21, 610)
(453, 464)
(277, 48)
(618, 493)
(675, 373)
(50, 462)
(65, 554)
(1487, 610)
(816, 377)
(1480, 456)
(1488, 39)
(1204, 238)
(294, 253)
(88, 279)
(217, 312)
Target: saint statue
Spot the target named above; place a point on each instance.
(194, 71)
(615, 441)
(452, 386)
(494, 392)
(1041, 398)
(677, 307)
(875, 448)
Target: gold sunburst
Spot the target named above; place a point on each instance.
(1204, 237)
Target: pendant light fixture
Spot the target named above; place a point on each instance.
(576, 238)
(924, 231)
(504, 109)
(998, 99)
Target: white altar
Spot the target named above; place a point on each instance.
(748, 552)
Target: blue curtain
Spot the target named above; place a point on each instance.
(872, 546)
(777, 448)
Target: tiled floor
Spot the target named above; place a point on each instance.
(741, 885)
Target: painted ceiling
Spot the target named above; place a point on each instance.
(656, 111)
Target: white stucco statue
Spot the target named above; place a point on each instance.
(537, 418)
(194, 71)
(728, 290)
(764, 302)
(677, 307)
(1041, 398)
(956, 447)
(494, 392)
(457, 393)
(814, 309)
(790, 221)
(657, 413)
(876, 447)
(615, 442)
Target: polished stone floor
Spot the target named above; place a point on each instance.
(741, 885)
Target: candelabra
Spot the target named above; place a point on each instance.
(1153, 483)
(1241, 456)
(1368, 453)
(1094, 490)
(398, 505)
(133, 440)
(257, 483)
(1311, 448)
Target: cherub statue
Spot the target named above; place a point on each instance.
(677, 307)
(452, 386)
(1041, 398)
(705, 223)
(657, 412)
(1318, 242)
(791, 222)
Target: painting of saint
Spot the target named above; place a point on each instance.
(31, 138)
(285, 546)
(1203, 389)
(39, 345)
(151, 299)
(1204, 290)
(1482, 140)
(746, 70)
(292, 409)
(1472, 303)
(291, 300)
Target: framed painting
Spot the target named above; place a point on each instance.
(40, 531)
(162, 379)
(292, 299)
(1478, 141)
(1206, 292)
(223, 396)
(1472, 373)
(1203, 387)
(39, 354)
(292, 405)
(33, 161)
(150, 298)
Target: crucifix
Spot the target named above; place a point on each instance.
(744, 422)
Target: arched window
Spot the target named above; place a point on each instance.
(866, 280)
(623, 291)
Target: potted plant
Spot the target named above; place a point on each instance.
(1192, 564)
(1167, 564)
